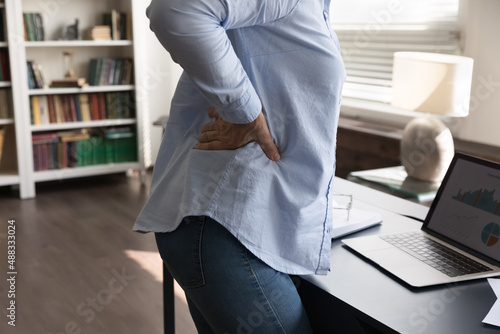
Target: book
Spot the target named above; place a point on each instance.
(101, 33)
(38, 75)
(115, 33)
(33, 27)
(38, 24)
(5, 103)
(62, 155)
(119, 105)
(4, 66)
(126, 72)
(42, 150)
(52, 110)
(2, 28)
(8, 161)
(122, 26)
(58, 109)
(94, 106)
(44, 109)
(70, 104)
(103, 76)
(2, 134)
(76, 104)
(39, 110)
(110, 106)
(75, 135)
(91, 78)
(35, 75)
(67, 116)
(35, 107)
(29, 71)
(102, 105)
(70, 82)
(396, 179)
(110, 71)
(128, 29)
(85, 107)
(28, 27)
(45, 138)
(121, 145)
(356, 220)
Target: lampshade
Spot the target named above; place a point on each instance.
(432, 83)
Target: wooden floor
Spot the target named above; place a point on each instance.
(80, 268)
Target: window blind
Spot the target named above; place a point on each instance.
(371, 31)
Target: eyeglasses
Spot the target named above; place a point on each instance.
(343, 202)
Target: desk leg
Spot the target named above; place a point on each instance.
(168, 302)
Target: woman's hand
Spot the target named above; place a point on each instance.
(221, 135)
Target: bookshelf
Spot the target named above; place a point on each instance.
(9, 175)
(119, 146)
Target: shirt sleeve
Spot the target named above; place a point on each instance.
(194, 33)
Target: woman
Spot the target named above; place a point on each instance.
(240, 196)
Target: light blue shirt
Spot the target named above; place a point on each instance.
(244, 56)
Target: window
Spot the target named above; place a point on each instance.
(371, 31)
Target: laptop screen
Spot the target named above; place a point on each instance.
(466, 210)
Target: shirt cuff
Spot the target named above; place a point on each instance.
(242, 111)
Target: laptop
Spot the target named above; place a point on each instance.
(460, 237)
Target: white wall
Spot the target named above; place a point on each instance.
(482, 42)
(159, 84)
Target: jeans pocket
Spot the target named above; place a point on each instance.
(181, 252)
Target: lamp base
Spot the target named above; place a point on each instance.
(427, 149)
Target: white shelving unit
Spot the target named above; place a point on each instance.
(9, 179)
(9, 175)
(6, 121)
(76, 44)
(89, 89)
(76, 125)
(48, 53)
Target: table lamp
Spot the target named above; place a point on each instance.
(438, 86)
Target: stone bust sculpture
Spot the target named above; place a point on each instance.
(427, 149)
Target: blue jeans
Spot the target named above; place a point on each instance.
(228, 289)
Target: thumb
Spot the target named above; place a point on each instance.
(264, 139)
(269, 148)
(212, 112)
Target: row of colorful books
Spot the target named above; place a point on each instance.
(85, 107)
(80, 148)
(110, 71)
(33, 27)
(4, 65)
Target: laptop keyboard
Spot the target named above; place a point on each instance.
(436, 255)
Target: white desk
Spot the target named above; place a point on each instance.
(358, 297)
